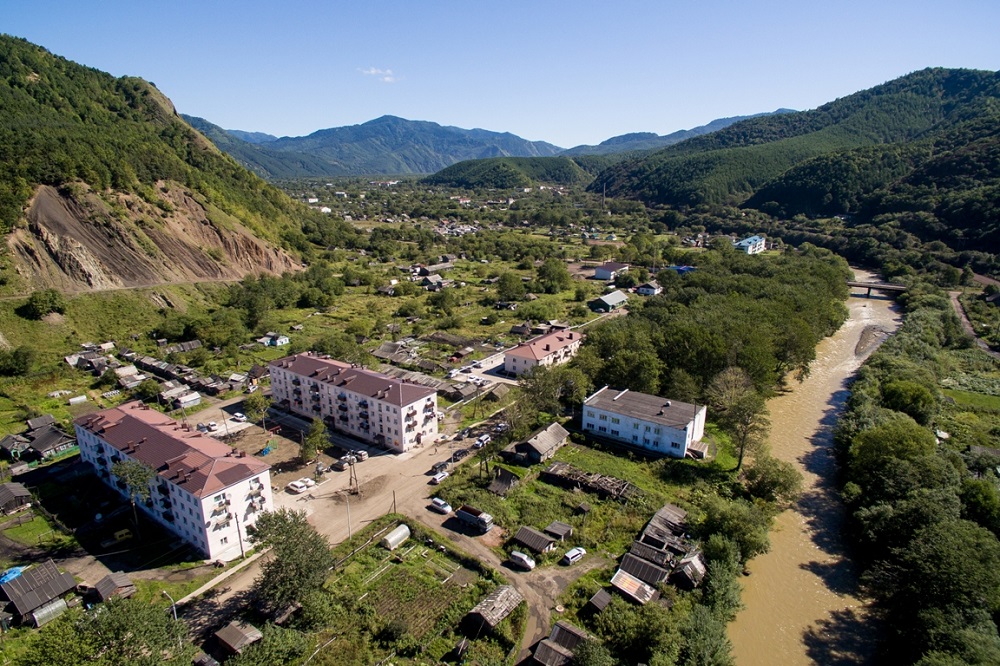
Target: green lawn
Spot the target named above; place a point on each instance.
(39, 532)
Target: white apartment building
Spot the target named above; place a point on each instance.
(667, 427)
(204, 492)
(549, 349)
(369, 405)
(751, 245)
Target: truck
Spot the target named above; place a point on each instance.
(475, 517)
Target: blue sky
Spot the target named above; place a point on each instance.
(569, 72)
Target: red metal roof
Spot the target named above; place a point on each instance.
(195, 462)
(364, 382)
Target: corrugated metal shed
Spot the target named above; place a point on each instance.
(633, 588)
(37, 586)
(497, 605)
(645, 571)
(236, 636)
(534, 540)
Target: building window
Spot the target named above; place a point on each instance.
(656, 430)
(603, 417)
(590, 425)
(645, 440)
(647, 428)
(590, 413)
(614, 432)
(675, 445)
(635, 438)
(603, 429)
(224, 540)
(614, 419)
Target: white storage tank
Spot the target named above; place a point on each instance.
(395, 538)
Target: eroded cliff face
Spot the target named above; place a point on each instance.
(76, 240)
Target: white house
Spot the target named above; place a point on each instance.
(609, 302)
(751, 245)
(272, 339)
(204, 492)
(651, 288)
(550, 349)
(609, 270)
(368, 405)
(668, 427)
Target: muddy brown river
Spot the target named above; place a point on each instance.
(798, 603)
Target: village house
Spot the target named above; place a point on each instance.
(204, 492)
(551, 349)
(35, 594)
(608, 302)
(651, 288)
(666, 427)
(610, 270)
(272, 339)
(541, 446)
(371, 406)
(14, 497)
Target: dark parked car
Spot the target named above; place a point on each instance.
(458, 455)
(440, 466)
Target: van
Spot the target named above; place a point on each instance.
(573, 555)
(522, 560)
(361, 454)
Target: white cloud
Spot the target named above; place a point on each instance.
(383, 75)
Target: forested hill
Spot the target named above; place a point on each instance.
(508, 172)
(384, 146)
(647, 141)
(856, 145)
(102, 185)
(257, 157)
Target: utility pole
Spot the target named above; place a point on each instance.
(348, 516)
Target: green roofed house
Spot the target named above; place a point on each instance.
(609, 302)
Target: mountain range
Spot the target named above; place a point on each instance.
(384, 146)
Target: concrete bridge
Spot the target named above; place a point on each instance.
(877, 286)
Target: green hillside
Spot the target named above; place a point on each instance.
(512, 172)
(730, 165)
(257, 157)
(63, 122)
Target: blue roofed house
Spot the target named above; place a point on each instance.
(751, 245)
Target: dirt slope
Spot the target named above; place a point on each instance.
(78, 240)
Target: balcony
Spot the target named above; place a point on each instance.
(342, 407)
(363, 404)
(169, 517)
(342, 397)
(297, 391)
(343, 418)
(364, 415)
(297, 382)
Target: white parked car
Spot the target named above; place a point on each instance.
(240, 417)
(438, 478)
(573, 555)
(522, 560)
(213, 426)
(306, 481)
(439, 505)
(297, 487)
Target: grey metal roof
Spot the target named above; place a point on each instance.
(567, 635)
(652, 408)
(37, 586)
(559, 530)
(600, 600)
(645, 571)
(497, 605)
(547, 439)
(238, 635)
(534, 540)
(11, 491)
(115, 584)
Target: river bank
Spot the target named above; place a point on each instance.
(799, 607)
